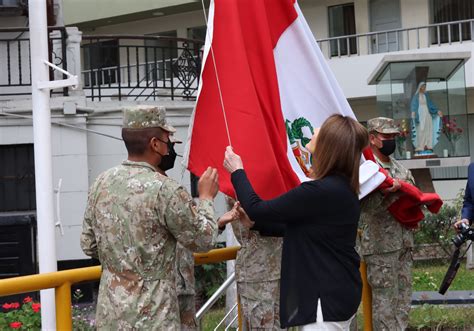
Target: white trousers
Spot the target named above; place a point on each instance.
(320, 325)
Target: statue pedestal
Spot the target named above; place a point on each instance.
(425, 156)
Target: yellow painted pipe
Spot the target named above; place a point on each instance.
(216, 255)
(63, 307)
(239, 313)
(17, 285)
(23, 284)
(366, 298)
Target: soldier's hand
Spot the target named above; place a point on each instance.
(395, 187)
(244, 218)
(230, 216)
(458, 224)
(208, 184)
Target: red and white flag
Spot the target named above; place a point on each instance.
(276, 87)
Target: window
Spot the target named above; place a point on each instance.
(162, 52)
(17, 178)
(102, 59)
(450, 11)
(342, 23)
(198, 33)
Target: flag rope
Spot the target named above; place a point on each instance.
(245, 307)
(221, 99)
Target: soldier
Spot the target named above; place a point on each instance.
(386, 245)
(257, 273)
(184, 260)
(133, 219)
(185, 288)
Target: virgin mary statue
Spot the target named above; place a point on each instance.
(426, 122)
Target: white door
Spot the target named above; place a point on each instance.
(385, 15)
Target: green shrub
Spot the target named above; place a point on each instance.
(208, 279)
(438, 228)
(21, 316)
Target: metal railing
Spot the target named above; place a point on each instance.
(137, 67)
(398, 39)
(15, 59)
(62, 281)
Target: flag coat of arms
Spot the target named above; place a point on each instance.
(276, 87)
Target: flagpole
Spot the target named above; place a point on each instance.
(43, 155)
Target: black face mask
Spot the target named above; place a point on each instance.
(167, 161)
(388, 147)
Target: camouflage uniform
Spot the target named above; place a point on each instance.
(185, 288)
(134, 217)
(386, 247)
(257, 273)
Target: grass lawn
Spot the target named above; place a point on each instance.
(427, 276)
(433, 317)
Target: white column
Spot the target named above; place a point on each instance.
(43, 158)
(73, 55)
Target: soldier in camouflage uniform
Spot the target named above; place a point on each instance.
(257, 273)
(386, 245)
(133, 219)
(185, 283)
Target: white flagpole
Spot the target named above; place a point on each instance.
(43, 155)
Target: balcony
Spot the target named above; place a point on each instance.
(110, 67)
(144, 67)
(149, 68)
(15, 66)
(398, 39)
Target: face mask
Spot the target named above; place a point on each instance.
(167, 161)
(388, 147)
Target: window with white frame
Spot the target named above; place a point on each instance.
(443, 11)
(342, 23)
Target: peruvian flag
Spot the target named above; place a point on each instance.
(276, 87)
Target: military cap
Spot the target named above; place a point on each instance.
(382, 125)
(142, 117)
(175, 140)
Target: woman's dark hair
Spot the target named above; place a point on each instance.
(136, 140)
(338, 149)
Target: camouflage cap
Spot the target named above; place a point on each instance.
(142, 117)
(382, 125)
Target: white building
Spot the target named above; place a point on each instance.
(140, 52)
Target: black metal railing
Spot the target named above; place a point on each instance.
(15, 59)
(137, 67)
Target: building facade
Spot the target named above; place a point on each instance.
(149, 52)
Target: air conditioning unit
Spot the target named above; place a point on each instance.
(12, 7)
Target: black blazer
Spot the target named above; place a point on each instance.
(318, 222)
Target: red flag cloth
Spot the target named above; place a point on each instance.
(276, 88)
(407, 208)
(244, 34)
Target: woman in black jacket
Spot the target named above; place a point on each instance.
(318, 221)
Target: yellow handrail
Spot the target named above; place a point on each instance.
(216, 255)
(61, 281)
